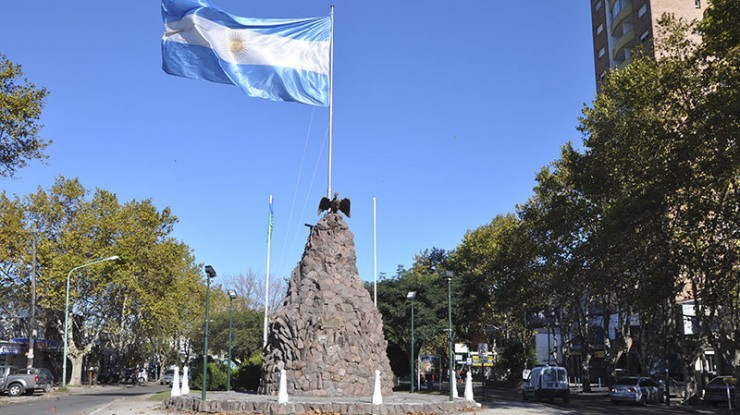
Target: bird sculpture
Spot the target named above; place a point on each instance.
(334, 205)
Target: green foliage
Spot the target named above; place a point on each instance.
(133, 306)
(21, 103)
(247, 377)
(247, 326)
(516, 356)
(215, 378)
(644, 213)
(430, 308)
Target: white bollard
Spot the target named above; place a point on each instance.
(454, 388)
(469, 386)
(283, 388)
(185, 389)
(176, 383)
(377, 394)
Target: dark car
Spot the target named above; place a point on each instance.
(718, 389)
(638, 390)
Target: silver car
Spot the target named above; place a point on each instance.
(637, 390)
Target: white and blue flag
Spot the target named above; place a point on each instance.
(276, 59)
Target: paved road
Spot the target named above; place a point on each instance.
(501, 400)
(133, 400)
(85, 401)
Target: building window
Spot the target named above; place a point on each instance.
(602, 51)
(697, 3)
(644, 37)
(642, 10)
(602, 75)
(600, 29)
(598, 5)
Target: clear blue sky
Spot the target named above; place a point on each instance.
(444, 111)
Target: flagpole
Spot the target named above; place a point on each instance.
(267, 276)
(375, 252)
(331, 97)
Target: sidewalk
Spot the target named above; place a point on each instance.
(135, 405)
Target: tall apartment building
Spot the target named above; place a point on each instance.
(619, 26)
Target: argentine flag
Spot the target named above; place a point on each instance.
(276, 59)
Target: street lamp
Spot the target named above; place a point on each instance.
(210, 273)
(232, 296)
(448, 277)
(66, 314)
(411, 296)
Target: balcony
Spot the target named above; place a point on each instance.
(621, 18)
(619, 48)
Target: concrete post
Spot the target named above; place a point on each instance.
(377, 394)
(185, 389)
(176, 383)
(469, 386)
(283, 391)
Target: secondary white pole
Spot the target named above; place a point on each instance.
(331, 97)
(267, 277)
(375, 252)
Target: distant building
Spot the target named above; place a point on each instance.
(620, 26)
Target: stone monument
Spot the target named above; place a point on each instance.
(328, 334)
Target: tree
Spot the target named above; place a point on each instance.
(430, 309)
(142, 300)
(21, 103)
(495, 267)
(661, 163)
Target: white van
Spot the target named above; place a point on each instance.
(547, 382)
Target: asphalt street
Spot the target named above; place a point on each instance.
(501, 400)
(97, 400)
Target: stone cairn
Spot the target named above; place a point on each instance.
(328, 334)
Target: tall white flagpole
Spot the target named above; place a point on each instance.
(375, 252)
(267, 276)
(331, 98)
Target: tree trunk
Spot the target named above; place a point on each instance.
(585, 363)
(76, 379)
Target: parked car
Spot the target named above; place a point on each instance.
(717, 390)
(42, 372)
(169, 374)
(675, 388)
(135, 375)
(634, 389)
(547, 382)
(16, 381)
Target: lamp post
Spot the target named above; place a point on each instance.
(411, 296)
(210, 273)
(232, 296)
(448, 277)
(66, 314)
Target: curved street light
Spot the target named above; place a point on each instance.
(66, 314)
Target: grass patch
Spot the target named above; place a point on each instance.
(160, 396)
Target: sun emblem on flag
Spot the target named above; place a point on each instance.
(235, 44)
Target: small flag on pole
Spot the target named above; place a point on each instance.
(276, 59)
(269, 222)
